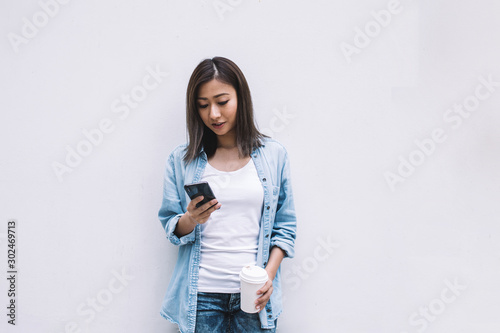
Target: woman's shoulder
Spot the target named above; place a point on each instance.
(273, 145)
(178, 152)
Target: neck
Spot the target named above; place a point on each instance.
(227, 141)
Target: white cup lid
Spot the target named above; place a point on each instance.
(253, 274)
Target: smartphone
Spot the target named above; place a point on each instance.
(202, 188)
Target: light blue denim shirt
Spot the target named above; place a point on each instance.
(278, 228)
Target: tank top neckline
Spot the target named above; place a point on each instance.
(234, 171)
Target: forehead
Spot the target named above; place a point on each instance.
(214, 87)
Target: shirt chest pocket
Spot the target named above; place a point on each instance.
(275, 193)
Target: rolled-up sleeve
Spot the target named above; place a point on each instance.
(171, 207)
(285, 221)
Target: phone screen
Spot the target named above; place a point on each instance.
(196, 189)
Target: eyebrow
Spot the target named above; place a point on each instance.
(214, 96)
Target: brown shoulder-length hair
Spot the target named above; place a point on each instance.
(248, 136)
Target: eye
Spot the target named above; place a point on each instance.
(202, 106)
(223, 103)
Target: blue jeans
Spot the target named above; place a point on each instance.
(221, 313)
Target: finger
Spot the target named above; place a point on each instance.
(265, 287)
(206, 206)
(192, 204)
(203, 217)
(262, 301)
(197, 199)
(215, 207)
(195, 205)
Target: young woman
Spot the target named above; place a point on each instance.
(251, 221)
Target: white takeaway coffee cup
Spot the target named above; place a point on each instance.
(252, 278)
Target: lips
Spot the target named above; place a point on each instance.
(218, 125)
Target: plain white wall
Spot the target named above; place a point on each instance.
(421, 254)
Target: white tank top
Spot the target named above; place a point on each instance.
(229, 239)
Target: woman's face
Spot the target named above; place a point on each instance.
(217, 106)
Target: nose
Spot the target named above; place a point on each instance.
(214, 112)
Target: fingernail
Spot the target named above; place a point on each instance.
(258, 308)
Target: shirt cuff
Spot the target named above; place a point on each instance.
(287, 248)
(186, 239)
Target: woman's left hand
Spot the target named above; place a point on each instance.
(265, 293)
(273, 264)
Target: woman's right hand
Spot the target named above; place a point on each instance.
(194, 216)
(201, 214)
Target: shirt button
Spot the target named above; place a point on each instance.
(263, 179)
(269, 316)
(265, 264)
(267, 235)
(268, 207)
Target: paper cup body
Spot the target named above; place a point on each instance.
(252, 278)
